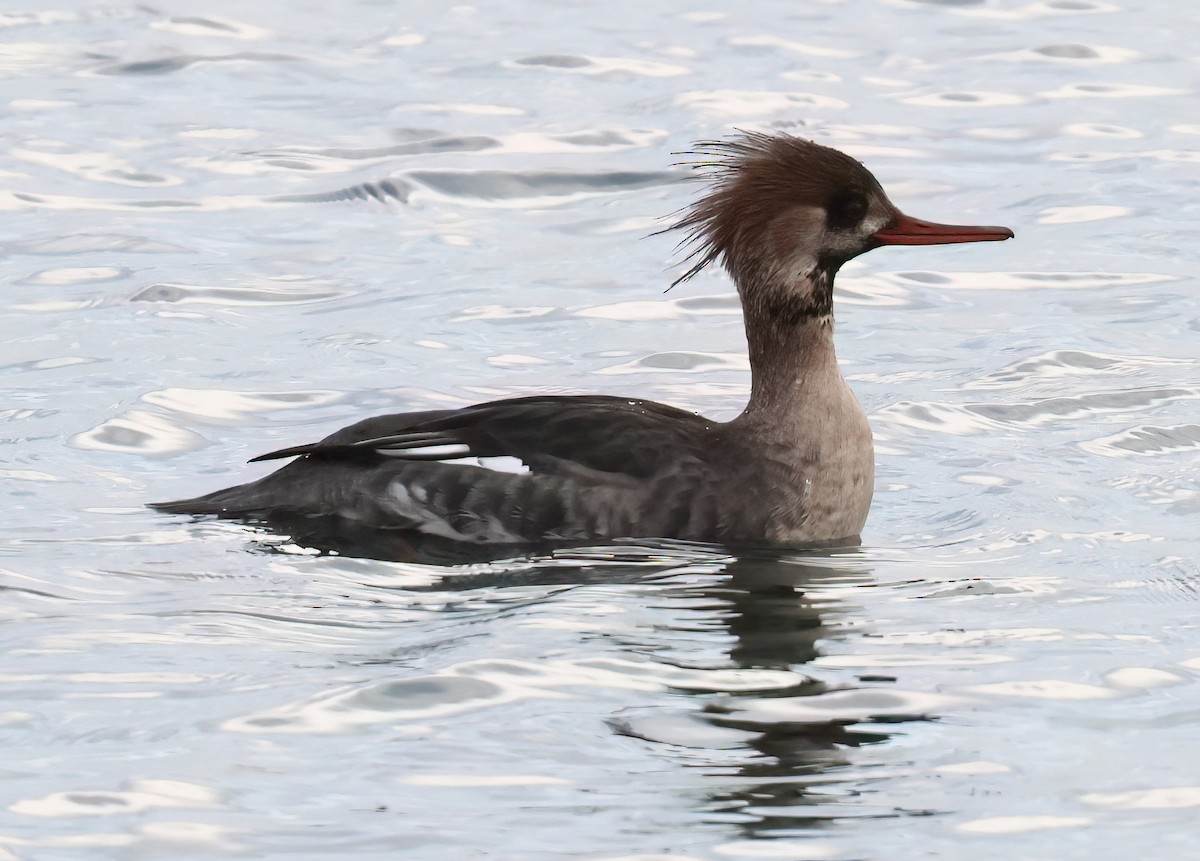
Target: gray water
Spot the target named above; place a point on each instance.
(234, 227)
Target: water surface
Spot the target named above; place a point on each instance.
(235, 228)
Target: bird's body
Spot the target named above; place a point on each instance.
(796, 467)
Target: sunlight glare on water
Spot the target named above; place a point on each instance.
(234, 228)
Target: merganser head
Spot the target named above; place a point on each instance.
(784, 213)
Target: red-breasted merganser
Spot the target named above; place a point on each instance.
(796, 467)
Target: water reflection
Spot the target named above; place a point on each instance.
(771, 743)
(801, 739)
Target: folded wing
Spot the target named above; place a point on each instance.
(550, 435)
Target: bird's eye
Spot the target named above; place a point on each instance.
(846, 211)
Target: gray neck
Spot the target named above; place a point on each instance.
(792, 358)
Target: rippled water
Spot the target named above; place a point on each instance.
(236, 227)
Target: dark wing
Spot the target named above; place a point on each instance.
(557, 435)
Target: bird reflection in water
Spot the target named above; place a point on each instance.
(780, 757)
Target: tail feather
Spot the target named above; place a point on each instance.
(288, 489)
(225, 502)
(304, 488)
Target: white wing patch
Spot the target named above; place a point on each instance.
(502, 463)
(438, 451)
(460, 454)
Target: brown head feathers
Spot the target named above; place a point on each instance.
(757, 177)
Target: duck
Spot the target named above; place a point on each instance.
(781, 214)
